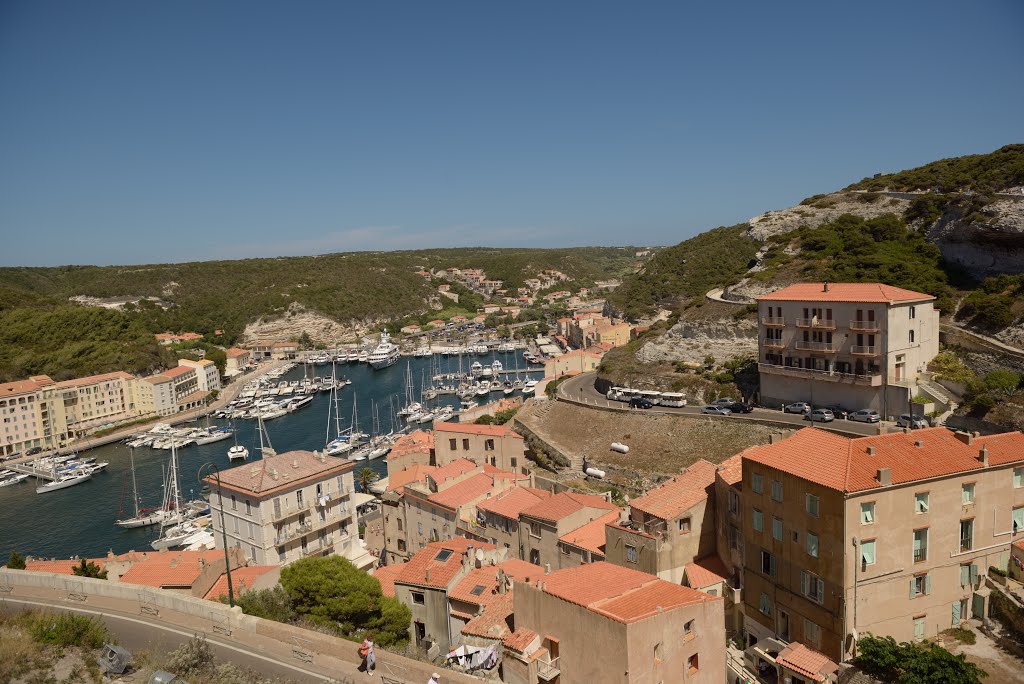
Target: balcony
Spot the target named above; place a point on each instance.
(296, 531)
(816, 323)
(773, 321)
(921, 555)
(865, 326)
(866, 379)
(773, 344)
(829, 347)
(860, 350)
(548, 671)
(289, 512)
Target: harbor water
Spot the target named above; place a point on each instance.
(79, 520)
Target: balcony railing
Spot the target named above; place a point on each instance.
(288, 535)
(774, 344)
(860, 350)
(830, 347)
(872, 379)
(549, 670)
(288, 512)
(866, 326)
(818, 323)
(773, 321)
(920, 554)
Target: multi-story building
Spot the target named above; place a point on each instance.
(155, 395)
(415, 448)
(669, 526)
(21, 425)
(576, 361)
(187, 392)
(498, 517)
(497, 445)
(889, 534)
(859, 345)
(237, 361)
(603, 623)
(288, 506)
(206, 374)
(543, 525)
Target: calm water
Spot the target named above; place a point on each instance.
(80, 520)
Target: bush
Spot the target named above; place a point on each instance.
(993, 570)
(333, 591)
(68, 629)
(912, 663)
(962, 634)
(16, 561)
(269, 604)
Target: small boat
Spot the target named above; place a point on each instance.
(12, 479)
(210, 436)
(238, 452)
(529, 387)
(426, 418)
(65, 481)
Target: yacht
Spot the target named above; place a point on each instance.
(238, 452)
(12, 478)
(529, 387)
(422, 353)
(64, 481)
(386, 354)
(211, 435)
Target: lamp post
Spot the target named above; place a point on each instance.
(215, 471)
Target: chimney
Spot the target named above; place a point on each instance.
(965, 437)
(825, 288)
(871, 450)
(426, 574)
(295, 463)
(547, 568)
(983, 456)
(918, 443)
(774, 438)
(174, 563)
(884, 477)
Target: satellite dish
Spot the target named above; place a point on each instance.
(479, 554)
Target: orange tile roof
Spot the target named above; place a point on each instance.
(473, 429)
(487, 577)
(454, 469)
(846, 465)
(591, 536)
(618, 593)
(511, 503)
(93, 379)
(241, 581)
(500, 474)
(235, 352)
(564, 504)
(420, 441)
(731, 470)
(171, 569)
(807, 662)
(60, 567)
(176, 371)
(493, 622)
(844, 292)
(679, 494)
(706, 571)
(386, 575)
(425, 570)
(519, 640)
(414, 473)
(1019, 544)
(465, 492)
(282, 470)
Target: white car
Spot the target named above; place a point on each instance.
(914, 423)
(716, 410)
(797, 407)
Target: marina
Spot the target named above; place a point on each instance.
(81, 519)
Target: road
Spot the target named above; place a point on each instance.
(581, 389)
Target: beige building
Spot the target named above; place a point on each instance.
(604, 623)
(21, 426)
(669, 526)
(155, 395)
(543, 525)
(187, 391)
(890, 534)
(288, 506)
(497, 445)
(237, 361)
(206, 374)
(859, 345)
(576, 361)
(498, 517)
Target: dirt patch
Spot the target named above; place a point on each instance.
(1003, 666)
(659, 445)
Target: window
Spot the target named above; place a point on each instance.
(401, 545)
(1018, 478)
(867, 552)
(967, 493)
(758, 484)
(489, 445)
(812, 505)
(298, 498)
(684, 526)
(535, 529)
(919, 627)
(812, 586)
(921, 545)
(968, 574)
(867, 513)
(1017, 516)
(758, 520)
(234, 504)
(765, 604)
(812, 633)
(920, 585)
(564, 548)
(812, 544)
(921, 502)
(630, 553)
(465, 445)
(911, 337)
(248, 507)
(252, 553)
(453, 444)
(657, 653)
(399, 521)
(688, 630)
(734, 537)
(967, 534)
(252, 530)
(692, 664)
(913, 312)
(777, 528)
(443, 555)
(419, 528)
(734, 502)
(417, 598)
(776, 490)
(768, 563)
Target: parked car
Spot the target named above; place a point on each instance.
(839, 412)
(820, 416)
(740, 407)
(912, 422)
(866, 416)
(797, 407)
(640, 402)
(33, 451)
(716, 410)
(724, 401)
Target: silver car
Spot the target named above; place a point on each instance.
(820, 416)
(724, 401)
(797, 407)
(716, 410)
(912, 422)
(866, 416)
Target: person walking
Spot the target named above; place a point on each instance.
(369, 657)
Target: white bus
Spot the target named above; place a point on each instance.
(651, 396)
(673, 399)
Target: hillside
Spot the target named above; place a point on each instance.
(333, 296)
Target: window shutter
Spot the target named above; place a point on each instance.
(965, 576)
(803, 583)
(927, 584)
(974, 573)
(821, 591)
(913, 587)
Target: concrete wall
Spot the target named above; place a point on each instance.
(505, 452)
(616, 541)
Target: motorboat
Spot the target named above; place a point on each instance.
(386, 354)
(211, 435)
(426, 418)
(483, 389)
(530, 387)
(12, 479)
(238, 452)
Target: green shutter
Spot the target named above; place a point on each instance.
(913, 585)
(974, 573)
(927, 584)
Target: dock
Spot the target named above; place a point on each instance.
(27, 468)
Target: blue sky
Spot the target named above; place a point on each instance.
(143, 132)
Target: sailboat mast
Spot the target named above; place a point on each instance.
(135, 486)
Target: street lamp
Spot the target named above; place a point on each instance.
(212, 468)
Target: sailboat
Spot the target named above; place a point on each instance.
(173, 535)
(341, 444)
(143, 516)
(237, 451)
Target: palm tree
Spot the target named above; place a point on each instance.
(366, 477)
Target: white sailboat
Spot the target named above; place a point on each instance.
(64, 481)
(142, 517)
(237, 452)
(340, 444)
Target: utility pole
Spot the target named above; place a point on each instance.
(223, 528)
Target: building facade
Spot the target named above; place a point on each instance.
(497, 445)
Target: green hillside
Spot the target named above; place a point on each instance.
(984, 173)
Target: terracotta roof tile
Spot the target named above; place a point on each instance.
(386, 575)
(591, 536)
(486, 577)
(424, 569)
(511, 503)
(171, 569)
(706, 571)
(519, 640)
(493, 622)
(241, 580)
(60, 567)
(465, 492)
(844, 292)
(679, 494)
(731, 470)
(847, 465)
(618, 593)
(176, 371)
(282, 470)
(414, 473)
(564, 504)
(473, 429)
(420, 441)
(807, 662)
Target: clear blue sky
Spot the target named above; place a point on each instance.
(141, 132)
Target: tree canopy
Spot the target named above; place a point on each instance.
(913, 663)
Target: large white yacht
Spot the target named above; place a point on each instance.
(386, 354)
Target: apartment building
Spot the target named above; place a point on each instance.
(288, 506)
(21, 423)
(498, 445)
(859, 345)
(415, 448)
(155, 395)
(603, 623)
(206, 374)
(576, 361)
(187, 393)
(237, 361)
(543, 525)
(889, 534)
(498, 517)
(669, 526)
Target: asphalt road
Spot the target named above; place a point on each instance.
(581, 388)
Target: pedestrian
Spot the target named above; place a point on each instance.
(434, 679)
(368, 656)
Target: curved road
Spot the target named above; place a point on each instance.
(581, 389)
